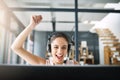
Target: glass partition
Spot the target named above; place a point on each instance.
(96, 20)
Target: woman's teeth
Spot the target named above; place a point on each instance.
(59, 56)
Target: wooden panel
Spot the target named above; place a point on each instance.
(107, 55)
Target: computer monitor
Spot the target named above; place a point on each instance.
(58, 72)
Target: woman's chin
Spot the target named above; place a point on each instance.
(59, 61)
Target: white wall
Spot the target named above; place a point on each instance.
(112, 21)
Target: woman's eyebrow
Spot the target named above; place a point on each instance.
(58, 45)
(64, 45)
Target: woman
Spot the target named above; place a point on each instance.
(58, 45)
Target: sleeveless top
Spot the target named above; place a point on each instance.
(66, 62)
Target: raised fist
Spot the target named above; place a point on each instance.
(36, 19)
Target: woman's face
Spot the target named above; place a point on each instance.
(59, 47)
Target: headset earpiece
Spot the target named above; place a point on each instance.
(49, 45)
(69, 47)
(49, 48)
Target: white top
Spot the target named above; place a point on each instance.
(50, 62)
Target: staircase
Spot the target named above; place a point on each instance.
(111, 46)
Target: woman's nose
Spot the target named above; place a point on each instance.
(60, 50)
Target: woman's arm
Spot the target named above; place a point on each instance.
(17, 45)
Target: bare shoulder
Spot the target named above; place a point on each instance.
(76, 62)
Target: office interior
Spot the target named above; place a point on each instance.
(93, 26)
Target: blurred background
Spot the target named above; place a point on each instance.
(95, 20)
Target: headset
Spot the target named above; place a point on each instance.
(57, 34)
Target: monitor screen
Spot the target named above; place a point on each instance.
(57, 72)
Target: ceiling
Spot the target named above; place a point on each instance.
(65, 21)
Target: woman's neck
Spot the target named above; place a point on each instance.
(56, 63)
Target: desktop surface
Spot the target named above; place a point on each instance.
(27, 72)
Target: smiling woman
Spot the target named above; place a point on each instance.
(58, 46)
